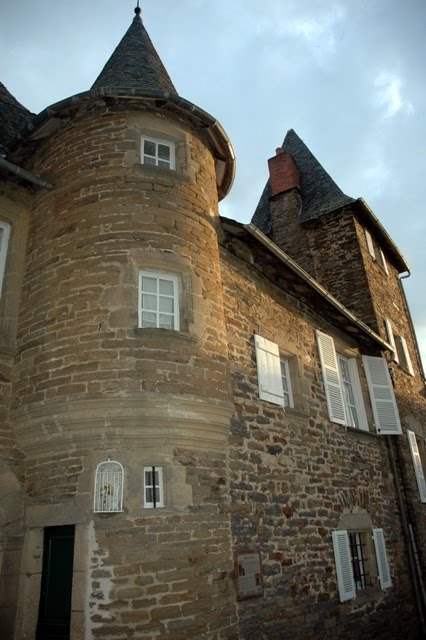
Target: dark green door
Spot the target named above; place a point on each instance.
(56, 584)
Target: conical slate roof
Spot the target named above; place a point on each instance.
(320, 194)
(13, 118)
(135, 64)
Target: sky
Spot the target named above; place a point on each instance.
(347, 75)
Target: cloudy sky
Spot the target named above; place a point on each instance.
(347, 75)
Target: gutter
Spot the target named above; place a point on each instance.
(25, 175)
(304, 275)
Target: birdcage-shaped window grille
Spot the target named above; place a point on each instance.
(108, 487)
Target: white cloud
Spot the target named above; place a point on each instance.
(388, 95)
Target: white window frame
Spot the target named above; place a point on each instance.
(150, 504)
(286, 383)
(417, 464)
(344, 566)
(355, 387)
(391, 339)
(383, 261)
(175, 315)
(157, 161)
(5, 228)
(109, 485)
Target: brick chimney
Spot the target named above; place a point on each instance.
(283, 172)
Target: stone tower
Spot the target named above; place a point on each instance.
(121, 397)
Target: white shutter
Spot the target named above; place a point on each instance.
(382, 396)
(384, 263)
(4, 242)
(391, 339)
(269, 371)
(417, 463)
(370, 245)
(343, 558)
(382, 559)
(331, 377)
(408, 362)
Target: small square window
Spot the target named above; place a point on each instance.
(153, 487)
(159, 153)
(158, 301)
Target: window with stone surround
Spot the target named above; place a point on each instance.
(343, 391)
(275, 372)
(108, 487)
(418, 456)
(153, 487)
(159, 300)
(361, 562)
(158, 153)
(400, 352)
(4, 243)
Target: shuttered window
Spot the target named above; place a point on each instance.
(4, 243)
(417, 463)
(370, 245)
(382, 559)
(342, 555)
(286, 383)
(332, 381)
(382, 396)
(391, 339)
(108, 487)
(269, 370)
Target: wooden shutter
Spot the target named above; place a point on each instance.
(417, 463)
(343, 558)
(269, 371)
(382, 559)
(391, 339)
(331, 377)
(406, 353)
(382, 396)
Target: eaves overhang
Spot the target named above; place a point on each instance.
(49, 120)
(350, 322)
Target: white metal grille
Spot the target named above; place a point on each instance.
(108, 487)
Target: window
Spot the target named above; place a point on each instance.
(108, 487)
(153, 487)
(273, 373)
(286, 382)
(400, 353)
(158, 300)
(344, 394)
(376, 252)
(417, 450)
(159, 153)
(354, 553)
(4, 242)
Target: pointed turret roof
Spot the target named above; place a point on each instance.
(319, 193)
(135, 64)
(13, 118)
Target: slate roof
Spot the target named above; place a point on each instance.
(13, 118)
(135, 64)
(320, 194)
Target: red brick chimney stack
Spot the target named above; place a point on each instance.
(283, 172)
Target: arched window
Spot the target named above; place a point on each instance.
(108, 487)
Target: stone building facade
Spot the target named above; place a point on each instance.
(209, 430)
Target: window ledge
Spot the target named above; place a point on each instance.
(361, 434)
(371, 594)
(297, 414)
(164, 333)
(174, 175)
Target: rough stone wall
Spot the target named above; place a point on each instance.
(293, 475)
(90, 384)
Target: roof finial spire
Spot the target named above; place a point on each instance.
(138, 10)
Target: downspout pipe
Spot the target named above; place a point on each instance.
(25, 174)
